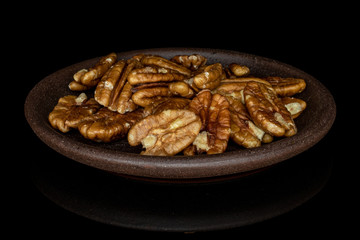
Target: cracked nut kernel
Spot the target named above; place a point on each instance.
(121, 99)
(181, 89)
(235, 87)
(113, 91)
(90, 77)
(201, 105)
(105, 89)
(287, 87)
(107, 126)
(239, 70)
(71, 110)
(146, 96)
(214, 113)
(243, 131)
(234, 90)
(192, 62)
(164, 63)
(153, 74)
(166, 133)
(267, 110)
(210, 78)
(166, 104)
(76, 86)
(123, 102)
(245, 80)
(294, 105)
(218, 124)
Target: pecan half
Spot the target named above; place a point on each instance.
(192, 62)
(152, 74)
(239, 70)
(164, 63)
(124, 103)
(71, 110)
(201, 105)
(235, 87)
(107, 126)
(90, 77)
(181, 89)
(267, 110)
(105, 90)
(146, 96)
(214, 113)
(113, 91)
(235, 90)
(210, 78)
(77, 86)
(287, 87)
(219, 124)
(166, 133)
(294, 105)
(245, 80)
(166, 104)
(243, 131)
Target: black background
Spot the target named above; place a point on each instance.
(319, 44)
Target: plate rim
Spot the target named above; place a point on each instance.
(176, 167)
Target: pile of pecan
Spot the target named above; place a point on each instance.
(181, 105)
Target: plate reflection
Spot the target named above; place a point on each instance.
(227, 203)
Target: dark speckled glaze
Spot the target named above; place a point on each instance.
(119, 157)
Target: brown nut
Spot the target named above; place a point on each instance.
(166, 104)
(124, 102)
(79, 74)
(90, 77)
(210, 78)
(234, 90)
(201, 105)
(192, 62)
(267, 138)
(219, 124)
(287, 87)
(76, 86)
(105, 90)
(108, 126)
(214, 113)
(235, 87)
(113, 91)
(164, 63)
(71, 110)
(245, 80)
(181, 89)
(191, 150)
(243, 131)
(267, 110)
(239, 70)
(153, 74)
(166, 133)
(146, 96)
(294, 105)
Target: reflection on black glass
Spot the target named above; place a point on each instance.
(188, 207)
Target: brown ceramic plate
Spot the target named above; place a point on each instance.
(119, 157)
